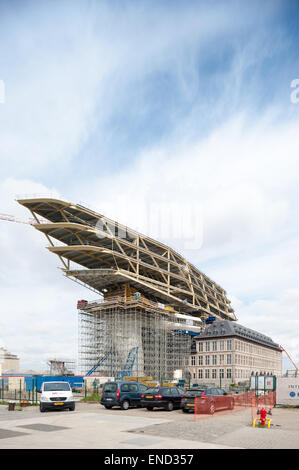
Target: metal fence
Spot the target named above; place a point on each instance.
(14, 389)
(18, 390)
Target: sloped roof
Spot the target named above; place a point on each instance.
(226, 328)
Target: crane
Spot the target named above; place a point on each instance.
(12, 218)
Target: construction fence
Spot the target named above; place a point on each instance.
(232, 403)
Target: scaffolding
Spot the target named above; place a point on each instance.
(112, 328)
(154, 299)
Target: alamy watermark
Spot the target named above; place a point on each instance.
(179, 224)
(2, 92)
(295, 93)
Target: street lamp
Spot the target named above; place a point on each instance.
(220, 373)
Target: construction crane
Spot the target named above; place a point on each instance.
(12, 218)
(128, 367)
(282, 348)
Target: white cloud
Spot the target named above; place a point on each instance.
(67, 75)
(245, 180)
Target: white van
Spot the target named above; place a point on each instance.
(56, 395)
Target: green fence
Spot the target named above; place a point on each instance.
(16, 392)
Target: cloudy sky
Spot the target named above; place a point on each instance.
(181, 120)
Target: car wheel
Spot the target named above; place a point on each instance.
(169, 406)
(212, 409)
(108, 407)
(231, 405)
(41, 408)
(72, 408)
(125, 405)
(149, 408)
(185, 410)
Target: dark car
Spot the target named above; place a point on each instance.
(162, 397)
(208, 400)
(123, 394)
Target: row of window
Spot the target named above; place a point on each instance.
(213, 374)
(246, 360)
(221, 345)
(213, 360)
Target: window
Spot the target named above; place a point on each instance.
(193, 360)
(228, 373)
(214, 374)
(208, 346)
(125, 388)
(228, 359)
(214, 359)
(221, 373)
(214, 345)
(200, 373)
(200, 347)
(174, 392)
(207, 360)
(57, 387)
(229, 344)
(200, 360)
(142, 387)
(207, 373)
(221, 345)
(133, 388)
(221, 359)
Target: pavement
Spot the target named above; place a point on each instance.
(91, 426)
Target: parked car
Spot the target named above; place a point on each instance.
(162, 397)
(56, 395)
(209, 400)
(123, 394)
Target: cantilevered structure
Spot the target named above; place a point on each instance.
(120, 263)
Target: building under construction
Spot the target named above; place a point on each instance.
(152, 300)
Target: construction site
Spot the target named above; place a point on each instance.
(152, 302)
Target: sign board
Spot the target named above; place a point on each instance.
(269, 383)
(287, 391)
(262, 382)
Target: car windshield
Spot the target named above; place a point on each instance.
(112, 387)
(57, 387)
(193, 393)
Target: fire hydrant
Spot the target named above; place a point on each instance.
(263, 420)
(263, 415)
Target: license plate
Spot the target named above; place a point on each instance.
(190, 404)
(58, 403)
(149, 396)
(107, 399)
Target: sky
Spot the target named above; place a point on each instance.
(180, 120)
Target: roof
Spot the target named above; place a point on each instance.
(225, 328)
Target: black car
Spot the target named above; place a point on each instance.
(123, 394)
(208, 400)
(168, 398)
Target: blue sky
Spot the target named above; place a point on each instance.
(132, 106)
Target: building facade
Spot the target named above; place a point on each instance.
(227, 352)
(8, 361)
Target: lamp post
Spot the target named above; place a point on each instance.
(220, 372)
